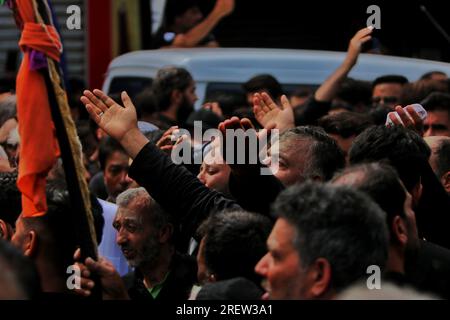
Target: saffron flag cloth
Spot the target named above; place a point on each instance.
(39, 146)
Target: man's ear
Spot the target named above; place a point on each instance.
(166, 233)
(445, 180)
(319, 278)
(416, 193)
(400, 231)
(4, 231)
(30, 245)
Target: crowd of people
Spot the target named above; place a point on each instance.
(347, 194)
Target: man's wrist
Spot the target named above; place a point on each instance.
(133, 141)
(349, 63)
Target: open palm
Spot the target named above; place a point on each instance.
(272, 116)
(114, 119)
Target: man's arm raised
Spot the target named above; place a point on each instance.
(117, 121)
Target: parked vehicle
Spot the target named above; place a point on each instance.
(225, 69)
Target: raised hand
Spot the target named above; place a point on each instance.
(411, 121)
(118, 122)
(223, 7)
(114, 119)
(165, 143)
(355, 45)
(272, 116)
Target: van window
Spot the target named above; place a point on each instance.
(215, 88)
(132, 85)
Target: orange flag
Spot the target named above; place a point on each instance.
(39, 147)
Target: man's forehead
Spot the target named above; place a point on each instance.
(438, 115)
(118, 157)
(124, 213)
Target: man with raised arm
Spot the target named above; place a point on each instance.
(153, 169)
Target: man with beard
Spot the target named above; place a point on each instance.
(145, 233)
(174, 90)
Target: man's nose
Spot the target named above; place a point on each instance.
(263, 265)
(128, 180)
(121, 238)
(429, 132)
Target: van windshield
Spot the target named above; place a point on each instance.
(132, 85)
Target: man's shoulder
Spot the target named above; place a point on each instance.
(184, 264)
(433, 251)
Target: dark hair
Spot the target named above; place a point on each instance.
(208, 119)
(379, 114)
(24, 272)
(443, 158)
(145, 103)
(234, 243)
(107, 147)
(87, 137)
(345, 124)
(392, 78)
(302, 92)
(405, 150)
(175, 8)
(339, 224)
(381, 182)
(355, 92)
(264, 82)
(10, 198)
(437, 101)
(58, 229)
(228, 101)
(167, 80)
(429, 75)
(417, 91)
(325, 155)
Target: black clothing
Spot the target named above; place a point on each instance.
(177, 286)
(432, 213)
(178, 191)
(430, 272)
(396, 278)
(311, 111)
(231, 289)
(255, 193)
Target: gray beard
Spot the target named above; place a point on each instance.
(149, 255)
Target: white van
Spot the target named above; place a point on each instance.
(227, 68)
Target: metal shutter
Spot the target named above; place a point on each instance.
(74, 41)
